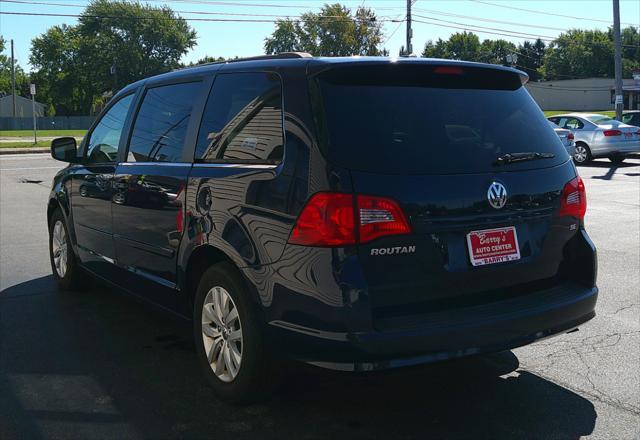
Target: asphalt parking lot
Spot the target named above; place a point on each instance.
(100, 364)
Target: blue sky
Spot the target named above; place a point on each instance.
(246, 39)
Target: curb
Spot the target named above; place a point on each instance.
(23, 150)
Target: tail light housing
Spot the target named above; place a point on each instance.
(612, 133)
(573, 202)
(337, 219)
(570, 136)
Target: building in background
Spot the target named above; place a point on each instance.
(23, 107)
(587, 94)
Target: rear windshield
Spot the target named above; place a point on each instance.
(395, 119)
(597, 119)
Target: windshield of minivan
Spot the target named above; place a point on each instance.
(387, 127)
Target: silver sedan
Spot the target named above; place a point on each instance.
(599, 136)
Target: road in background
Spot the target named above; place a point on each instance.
(101, 364)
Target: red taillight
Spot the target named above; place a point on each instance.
(573, 202)
(612, 133)
(380, 217)
(329, 219)
(448, 70)
(570, 136)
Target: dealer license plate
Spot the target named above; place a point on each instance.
(492, 246)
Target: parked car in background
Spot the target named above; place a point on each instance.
(566, 136)
(599, 136)
(631, 117)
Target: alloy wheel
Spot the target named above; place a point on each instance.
(580, 154)
(59, 248)
(222, 334)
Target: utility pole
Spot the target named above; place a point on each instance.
(618, 59)
(409, 47)
(13, 80)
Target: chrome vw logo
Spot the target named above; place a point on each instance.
(497, 195)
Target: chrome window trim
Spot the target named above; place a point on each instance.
(203, 165)
(235, 165)
(164, 164)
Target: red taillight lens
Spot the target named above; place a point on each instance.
(380, 217)
(329, 219)
(570, 136)
(612, 133)
(448, 70)
(573, 202)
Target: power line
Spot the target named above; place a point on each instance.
(489, 20)
(533, 11)
(240, 14)
(500, 31)
(469, 28)
(231, 20)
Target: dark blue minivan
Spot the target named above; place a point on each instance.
(351, 213)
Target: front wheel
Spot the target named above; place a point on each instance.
(230, 342)
(581, 154)
(63, 261)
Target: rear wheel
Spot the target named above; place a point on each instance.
(63, 261)
(230, 342)
(581, 154)
(617, 159)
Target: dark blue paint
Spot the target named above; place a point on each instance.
(142, 227)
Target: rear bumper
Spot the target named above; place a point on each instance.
(615, 148)
(443, 335)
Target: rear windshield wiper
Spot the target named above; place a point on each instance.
(522, 157)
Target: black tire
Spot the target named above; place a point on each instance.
(617, 159)
(72, 278)
(258, 373)
(581, 159)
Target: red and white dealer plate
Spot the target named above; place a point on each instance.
(493, 246)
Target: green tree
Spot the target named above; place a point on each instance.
(464, 46)
(496, 51)
(75, 65)
(579, 53)
(22, 79)
(334, 31)
(439, 49)
(531, 57)
(630, 38)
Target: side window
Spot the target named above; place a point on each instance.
(555, 120)
(573, 124)
(102, 146)
(242, 121)
(627, 118)
(161, 124)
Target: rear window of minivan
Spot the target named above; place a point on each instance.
(428, 119)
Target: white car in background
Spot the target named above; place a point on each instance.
(599, 136)
(566, 136)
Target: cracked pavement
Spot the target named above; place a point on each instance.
(102, 365)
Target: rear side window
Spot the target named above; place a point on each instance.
(161, 125)
(414, 119)
(242, 120)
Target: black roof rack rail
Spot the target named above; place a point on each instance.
(281, 55)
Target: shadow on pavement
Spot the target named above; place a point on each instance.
(612, 168)
(100, 364)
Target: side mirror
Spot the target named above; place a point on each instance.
(65, 149)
